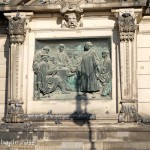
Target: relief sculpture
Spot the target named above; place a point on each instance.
(64, 73)
(89, 70)
(106, 73)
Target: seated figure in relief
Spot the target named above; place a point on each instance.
(47, 77)
(62, 57)
(38, 58)
(53, 78)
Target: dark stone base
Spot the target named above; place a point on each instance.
(79, 135)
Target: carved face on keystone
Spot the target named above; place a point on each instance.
(72, 20)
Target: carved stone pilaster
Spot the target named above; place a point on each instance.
(18, 26)
(128, 62)
(72, 14)
(126, 23)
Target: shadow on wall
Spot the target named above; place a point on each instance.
(6, 55)
(86, 117)
(82, 102)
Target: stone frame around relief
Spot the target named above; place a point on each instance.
(72, 46)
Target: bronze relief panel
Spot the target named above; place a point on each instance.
(68, 69)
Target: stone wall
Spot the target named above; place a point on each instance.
(49, 27)
(143, 49)
(4, 54)
(37, 30)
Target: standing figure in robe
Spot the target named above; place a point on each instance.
(106, 73)
(89, 81)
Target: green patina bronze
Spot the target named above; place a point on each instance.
(70, 69)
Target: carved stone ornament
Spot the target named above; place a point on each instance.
(15, 113)
(72, 15)
(128, 113)
(17, 30)
(126, 27)
(5, 2)
(48, 1)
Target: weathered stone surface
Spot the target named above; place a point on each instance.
(3, 97)
(143, 81)
(122, 137)
(86, 7)
(59, 134)
(3, 85)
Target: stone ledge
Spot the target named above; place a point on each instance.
(74, 126)
(67, 136)
(86, 7)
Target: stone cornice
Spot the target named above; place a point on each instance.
(86, 7)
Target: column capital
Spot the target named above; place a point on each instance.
(18, 26)
(136, 13)
(27, 15)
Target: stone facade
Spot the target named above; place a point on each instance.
(54, 114)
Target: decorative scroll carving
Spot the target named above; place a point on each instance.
(72, 15)
(15, 113)
(17, 30)
(6, 2)
(48, 1)
(62, 72)
(94, 1)
(126, 27)
(44, 2)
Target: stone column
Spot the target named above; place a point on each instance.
(127, 26)
(18, 27)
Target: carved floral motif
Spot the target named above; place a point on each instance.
(128, 113)
(17, 29)
(126, 27)
(15, 113)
